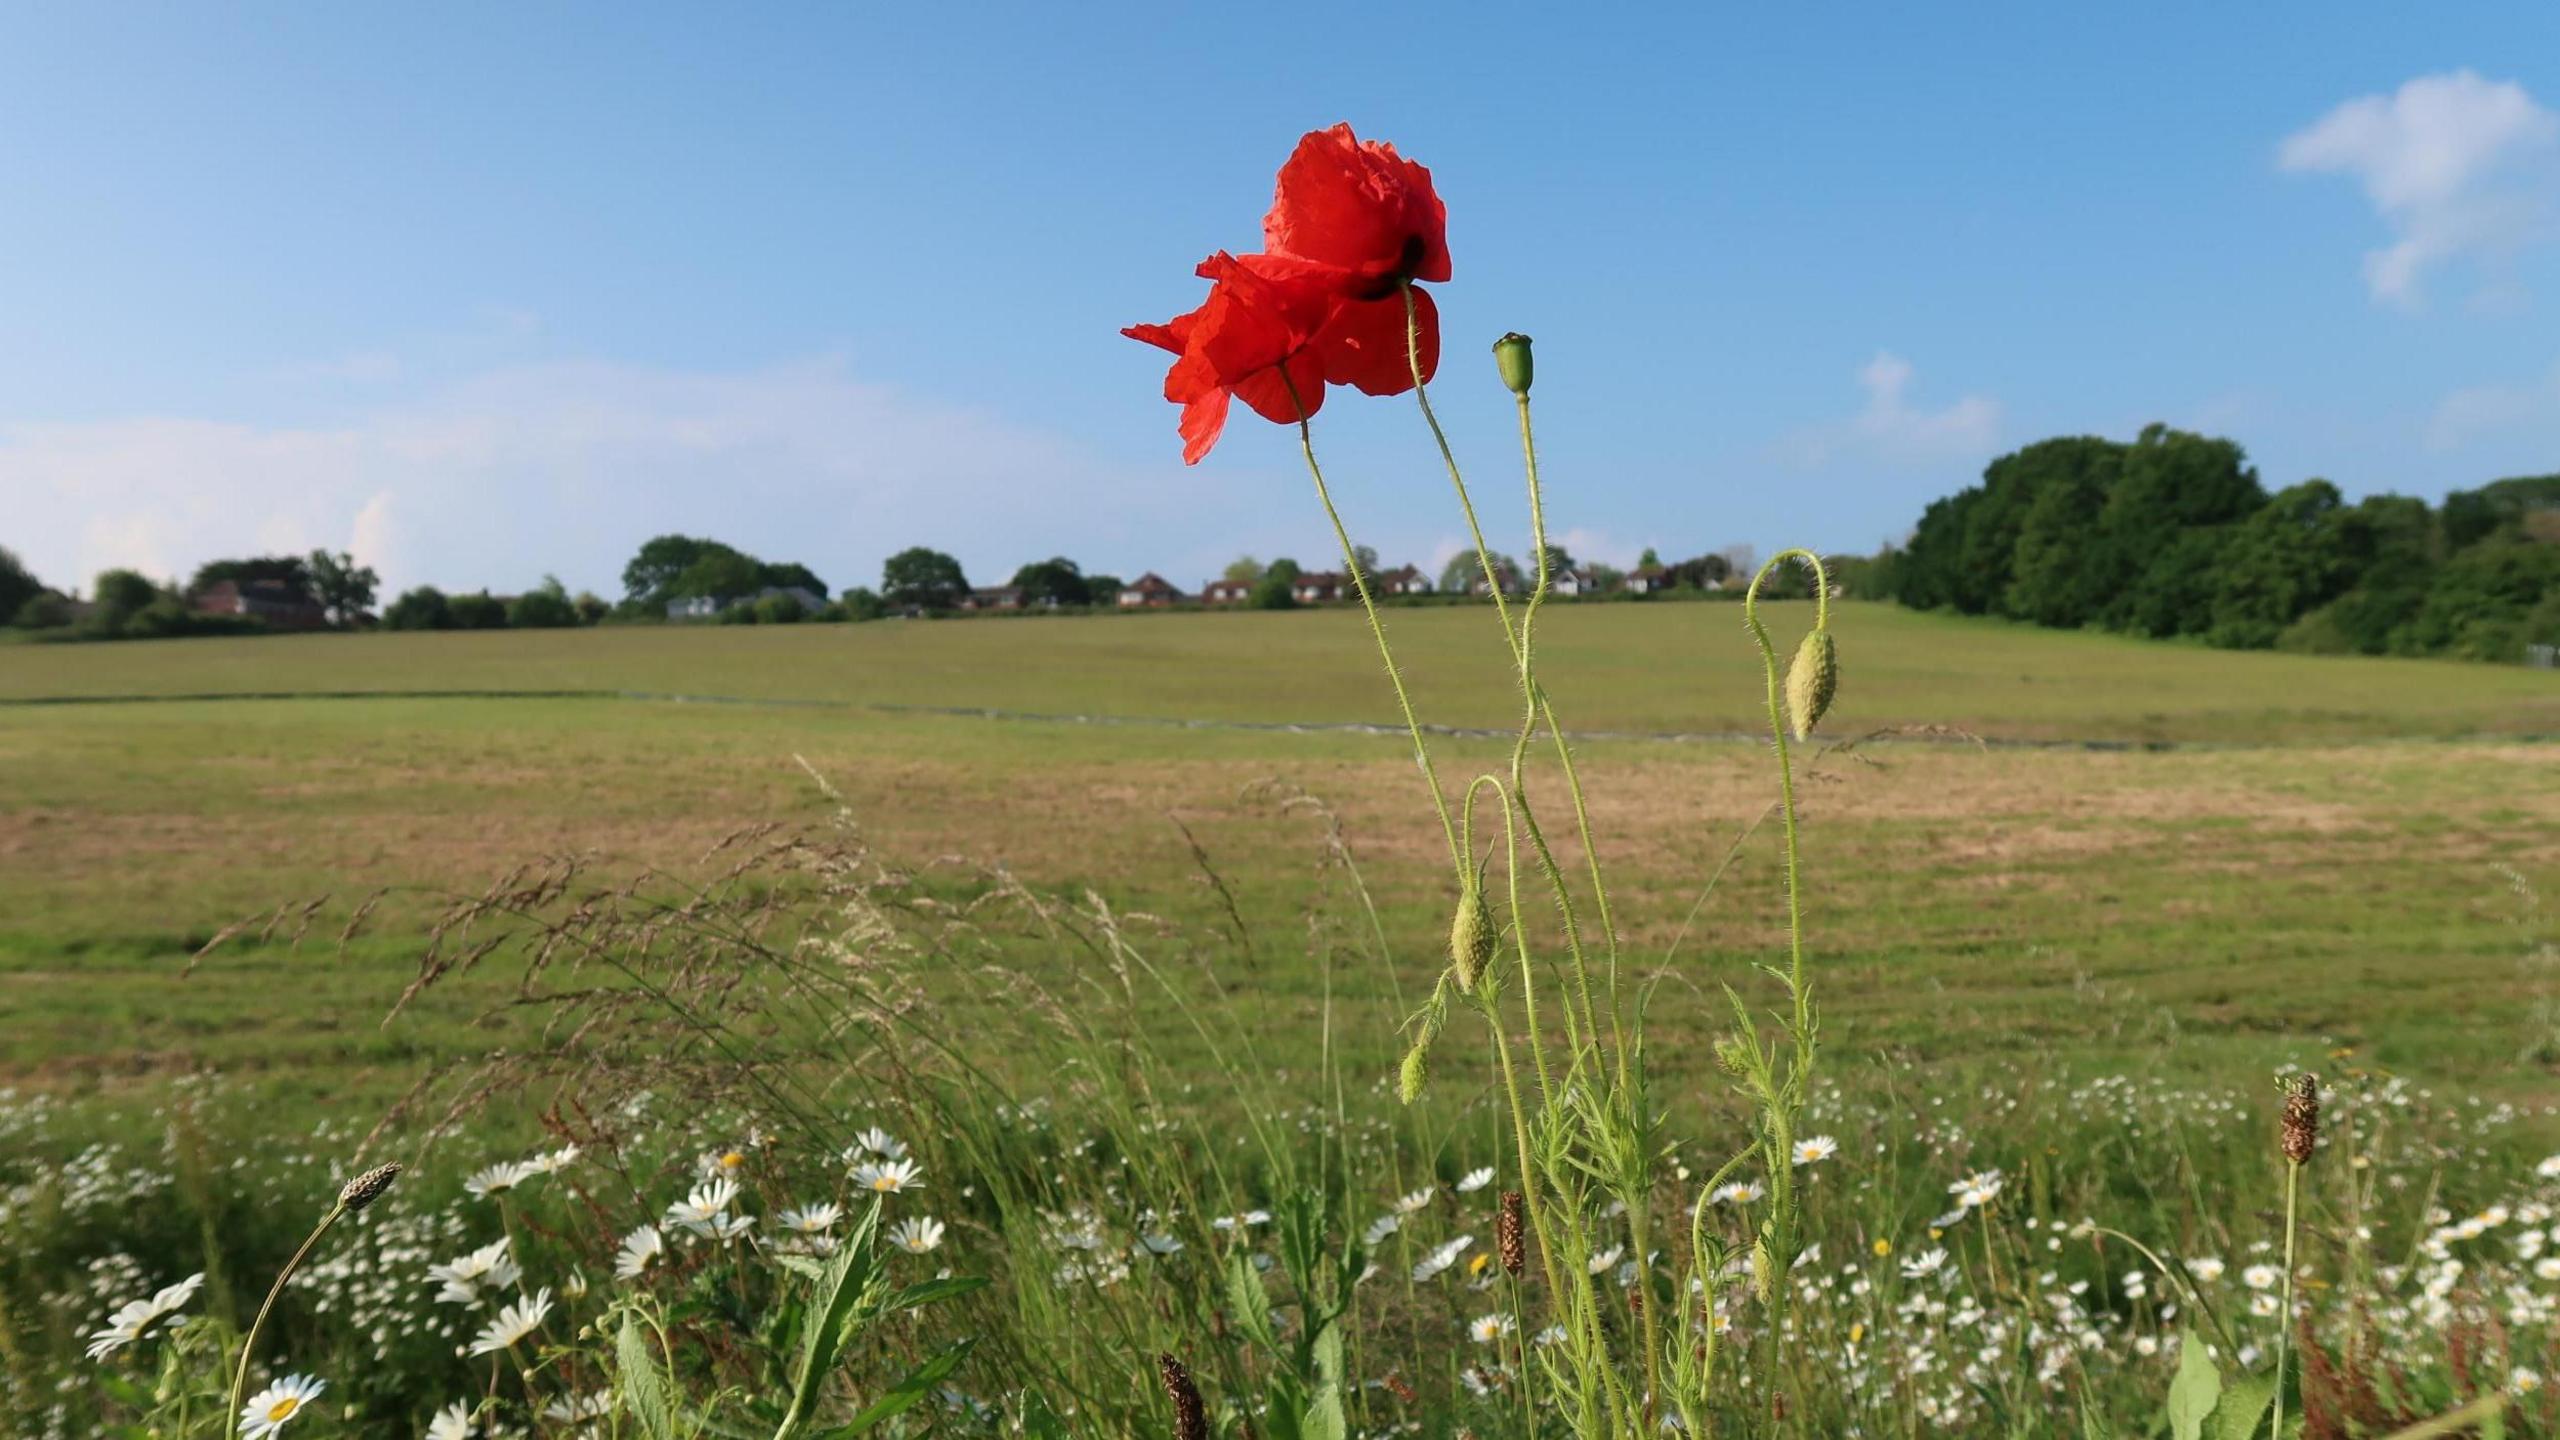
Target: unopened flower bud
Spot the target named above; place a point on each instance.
(1811, 682)
(1511, 357)
(1416, 1070)
(1471, 936)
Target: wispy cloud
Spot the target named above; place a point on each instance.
(2484, 410)
(1893, 431)
(2455, 164)
(500, 477)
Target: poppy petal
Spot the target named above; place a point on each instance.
(1365, 344)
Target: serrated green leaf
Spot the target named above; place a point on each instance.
(2194, 1393)
(930, 1291)
(1248, 1302)
(2243, 1406)
(643, 1388)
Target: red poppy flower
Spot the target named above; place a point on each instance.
(1255, 338)
(1361, 342)
(1361, 208)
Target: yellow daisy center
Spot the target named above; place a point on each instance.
(885, 1182)
(732, 1160)
(284, 1408)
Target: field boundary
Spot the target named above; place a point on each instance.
(1890, 735)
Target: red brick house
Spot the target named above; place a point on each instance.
(1321, 587)
(1404, 581)
(1226, 592)
(278, 605)
(1150, 591)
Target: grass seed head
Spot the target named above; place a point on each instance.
(1416, 1070)
(2301, 1119)
(1811, 682)
(1190, 1420)
(367, 1187)
(1510, 1234)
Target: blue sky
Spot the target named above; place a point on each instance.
(489, 292)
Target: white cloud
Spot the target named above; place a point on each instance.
(1892, 431)
(564, 468)
(2454, 164)
(2467, 415)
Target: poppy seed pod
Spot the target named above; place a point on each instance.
(1811, 682)
(1511, 357)
(1471, 936)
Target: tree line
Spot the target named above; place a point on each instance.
(2172, 534)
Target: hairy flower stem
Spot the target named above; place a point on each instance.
(1377, 631)
(1784, 1095)
(249, 1345)
(2284, 1325)
(1502, 613)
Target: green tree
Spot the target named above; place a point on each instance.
(43, 610)
(777, 610)
(1102, 590)
(722, 574)
(290, 571)
(1648, 560)
(791, 576)
(862, 604)
(482, 611)
(1056, 581)
(651, 575)
(1244, 570)
(923, 577)
(118, 597)
(18, 585)
(421, 608)
(2294, 555)
(342, 587)
(545, 607)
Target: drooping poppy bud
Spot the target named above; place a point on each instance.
(1471, 936)
(1811, 682)
(1512, 358)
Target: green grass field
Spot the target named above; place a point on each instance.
(2333, 852)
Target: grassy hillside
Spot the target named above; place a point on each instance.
(1650, 669)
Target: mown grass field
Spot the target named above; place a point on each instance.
(2325, 852)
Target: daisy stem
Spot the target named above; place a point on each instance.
(249, 1345)
(1377, 629)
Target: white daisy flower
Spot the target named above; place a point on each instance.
(1927, 1262)
(1238, 1222)
(2523, 1381)
(1814, 1149)
(463, 1281)
(499, 1178)
(1380, 1228)
(453, 1422)
(728, 1227)
(916, 1234)
(1486, 1329)
(814, 1220)
(267, 1410)
(513, 1324)
(1952, 1217)
(707, 1202)
(2547, 1268)
(889, 1177)
(554, 1161)
(592, 1406)
(2207, 1268)
(1475, 1180)
(1976, 1190)
(2263, 1304)
(640, 1249)
(1158, 1243)
(876, 1141)
(1442, 1258)
(1407, 1204)
(1736, 1192)
(130, 1320)
(1552, 1335)
(2549, 1169)
(2261, 1277)
(1601, 1262)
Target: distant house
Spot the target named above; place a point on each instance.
(1509, 577)
(993, 597)
(1321, 587)
(1148, 592)
(278, 605)
(1646, 579)
(1226, 592)
(1404, 581)
(693, 607)
(704, 607)
(1575, 582)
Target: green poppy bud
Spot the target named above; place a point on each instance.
(1511, 357)
(1471, 936)
(1811, 682)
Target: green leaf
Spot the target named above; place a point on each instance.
(2244, 1405)
(918, 1384)
(930, 1291)
(2194, 1393)
(1248, 1300)
(826, 1325)
(643, 1388)
(1039, 1422)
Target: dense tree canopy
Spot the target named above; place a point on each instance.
(923, 576)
